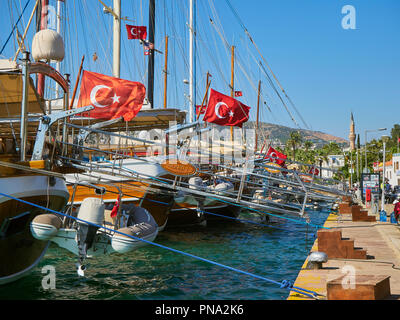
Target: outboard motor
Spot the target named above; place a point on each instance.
(196, 183)
(91, 210)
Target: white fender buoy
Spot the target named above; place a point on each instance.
(144, 227)
(122, 243)
(45, 226)
(195, 183)
(222, 187)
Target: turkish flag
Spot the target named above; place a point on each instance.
(225, 110)
(111, 97)
(238, 93)
(114, 210)
(275, 156)
(314, 171)
(136, 32)
(200, 109)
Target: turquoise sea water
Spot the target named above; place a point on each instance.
(154, 273)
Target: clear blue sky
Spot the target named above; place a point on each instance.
(329, 71)
(326, 70)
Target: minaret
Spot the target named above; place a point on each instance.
(352, 135)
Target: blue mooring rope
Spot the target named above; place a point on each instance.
(285, 284)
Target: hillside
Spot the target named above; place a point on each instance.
(282, 133)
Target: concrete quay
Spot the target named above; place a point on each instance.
(363, 258)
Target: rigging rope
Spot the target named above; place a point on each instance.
(220, 33)
(15, 25)
(265, 61)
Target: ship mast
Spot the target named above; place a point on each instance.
(41, 25)
(150, 68)
(59, 31)
(192, 61)
(117, 38)
(257, 119)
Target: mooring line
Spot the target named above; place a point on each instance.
(286, 284)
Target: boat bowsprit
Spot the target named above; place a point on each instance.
(94, 233)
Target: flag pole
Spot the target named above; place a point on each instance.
(204, 99)
(76, 84)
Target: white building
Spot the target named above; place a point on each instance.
(392, 169)
(396, 169)
(335, 162)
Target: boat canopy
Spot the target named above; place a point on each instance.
(146, 119)
(11, 96)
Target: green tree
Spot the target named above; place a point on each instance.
(308, 145)
(395, 133)
(394, 141)
(294, 142)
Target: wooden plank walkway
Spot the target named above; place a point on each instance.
(380, 239)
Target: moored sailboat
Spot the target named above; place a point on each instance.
(25, 166)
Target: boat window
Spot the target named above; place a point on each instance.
(14, 225)
(100, 191)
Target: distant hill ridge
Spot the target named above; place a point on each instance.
(282, 133)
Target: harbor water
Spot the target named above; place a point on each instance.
(276, 252)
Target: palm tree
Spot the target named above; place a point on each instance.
(294, 141)
(307, 145)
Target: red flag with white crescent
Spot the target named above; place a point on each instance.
(136, 32)
(111, 97)
(200, 109)
(225, 110)
(275, 156)
(314, 171)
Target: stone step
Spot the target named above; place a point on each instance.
(344, 208)
(362, 215)
(332, 243)
(359, 287)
